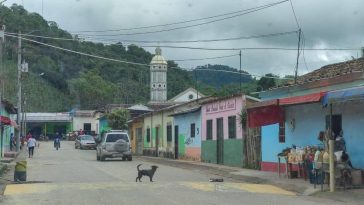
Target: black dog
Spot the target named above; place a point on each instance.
(146, 172)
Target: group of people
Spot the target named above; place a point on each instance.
(31, 142)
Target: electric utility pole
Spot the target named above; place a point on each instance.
(240, 72)
(2, 41)
(19, 95)
(298, 56)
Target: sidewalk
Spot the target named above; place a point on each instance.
(352, 196)
(299, 186)
(7, 175)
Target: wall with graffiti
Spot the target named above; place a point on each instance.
(189, 135)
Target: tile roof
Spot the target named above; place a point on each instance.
(334, 70)
(330, 71)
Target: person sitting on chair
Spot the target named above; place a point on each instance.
(346, 159)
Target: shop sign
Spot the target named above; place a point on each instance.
(221, 106)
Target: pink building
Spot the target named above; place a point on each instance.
(222, 132)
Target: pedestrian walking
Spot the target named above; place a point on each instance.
(12, 142)
(29, 135)
(31, 144)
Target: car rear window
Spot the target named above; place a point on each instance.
(87, 137)
(115, 137)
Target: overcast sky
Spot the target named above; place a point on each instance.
(325, 24)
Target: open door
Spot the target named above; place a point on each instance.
(220, 140)
(176, 133)
(139, 140)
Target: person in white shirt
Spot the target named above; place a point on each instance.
(31, 144)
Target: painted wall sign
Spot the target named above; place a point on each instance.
(221, 106)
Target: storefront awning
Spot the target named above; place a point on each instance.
(267, 115)
(303, 99)
(272, 111)
(356, 93)
(5, 120)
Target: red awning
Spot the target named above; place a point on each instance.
(310, 98)
(266, 115)
(5, 120)
(270, 111)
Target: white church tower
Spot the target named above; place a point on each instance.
(158, 78)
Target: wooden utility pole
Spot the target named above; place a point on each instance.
(19, 94)
(331, 155)
(240, 72)
(298, 56)
(2, 40)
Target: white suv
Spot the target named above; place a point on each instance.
(113, 144)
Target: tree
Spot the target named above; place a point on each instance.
(267, 82)
(118, 119)
(92, 91)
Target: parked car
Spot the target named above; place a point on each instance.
(114, 144)
(85, 141)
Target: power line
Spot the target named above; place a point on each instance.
(127, 62)
(197, 59)
(236, 72)
(174, 23)
(193, 25)
(77, 52)
(294, 14)
(251, 48)
(202, 40)
(299, 42)
(205, 48)
(161, 41)
(303, 52)
(48, 37)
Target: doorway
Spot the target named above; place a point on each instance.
(220, 140)
(176, 142)
(157, 141)
(139, 141)
(87, 126)
(336, 124)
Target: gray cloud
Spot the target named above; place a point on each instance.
(325, 23)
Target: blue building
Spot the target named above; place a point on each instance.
(7, 126)
(294, 114)
(187, 128)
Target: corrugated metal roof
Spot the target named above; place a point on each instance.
(186, 111)
(48, 117)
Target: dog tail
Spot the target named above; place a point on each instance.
(139, 166)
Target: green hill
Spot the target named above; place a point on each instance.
(207, 75)
(70, 80)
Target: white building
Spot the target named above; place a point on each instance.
(85, 120)
(187, 95)
(158, 78)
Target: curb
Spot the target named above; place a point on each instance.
(227, 172)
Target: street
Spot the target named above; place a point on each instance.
(73, 176)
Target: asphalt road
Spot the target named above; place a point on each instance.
(70, 176)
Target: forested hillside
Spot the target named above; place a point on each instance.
(72, 80)
(207, 74)
(60, 80)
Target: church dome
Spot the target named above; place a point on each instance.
(158, 58)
